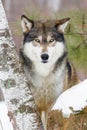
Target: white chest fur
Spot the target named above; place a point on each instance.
(46, 89)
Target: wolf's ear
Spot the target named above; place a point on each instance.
(26, 24)
(61, 24)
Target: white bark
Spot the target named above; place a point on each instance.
(13, 81)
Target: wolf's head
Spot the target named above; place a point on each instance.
(44, 40)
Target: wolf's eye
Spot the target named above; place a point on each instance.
(37, 40)
(51, 40)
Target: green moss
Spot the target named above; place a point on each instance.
(9, 83)
(25, 108)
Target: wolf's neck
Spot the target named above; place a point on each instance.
(43, 69)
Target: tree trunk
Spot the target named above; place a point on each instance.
(17, 94)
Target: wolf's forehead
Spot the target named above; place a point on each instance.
(47, 23)
(44, 27)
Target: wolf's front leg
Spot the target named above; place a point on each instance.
(44, 115)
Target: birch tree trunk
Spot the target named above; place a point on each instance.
(17, 94)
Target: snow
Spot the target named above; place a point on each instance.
(5, 123)
(75, 97)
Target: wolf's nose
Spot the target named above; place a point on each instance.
(44, 57)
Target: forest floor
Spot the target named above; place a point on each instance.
(56, 121)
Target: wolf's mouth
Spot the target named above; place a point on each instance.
(44, 61)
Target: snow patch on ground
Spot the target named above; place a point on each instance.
(5, 123)
(75, 97)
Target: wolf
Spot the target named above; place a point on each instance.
(45, 60)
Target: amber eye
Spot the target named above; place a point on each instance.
(37, 40)
(51, 40)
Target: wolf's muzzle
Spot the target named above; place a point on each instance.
(44, 57)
